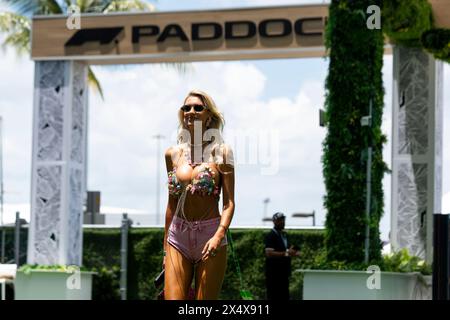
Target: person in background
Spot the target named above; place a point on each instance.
(278, 260)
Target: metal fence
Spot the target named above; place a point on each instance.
(13, 248)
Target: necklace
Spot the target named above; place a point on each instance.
(192, 163)
(187, 156)
(197, 145)
(187, 153)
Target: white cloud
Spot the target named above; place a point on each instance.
(16, 112)
(142, 101)
(122, 154)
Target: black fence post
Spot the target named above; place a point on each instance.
(17, 240)
(441, 256)
(124, 256)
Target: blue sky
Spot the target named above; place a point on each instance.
(256, 97)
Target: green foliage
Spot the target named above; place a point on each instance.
(354, 77)
(321, 262)
(311, 244)
(146, 256)
(405, 21)
(101, 253)
(10, 245)
(28, 268)
(437, 42)
(410, 23)
(106, 283)
(402, 261)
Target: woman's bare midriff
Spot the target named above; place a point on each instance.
(199, 207)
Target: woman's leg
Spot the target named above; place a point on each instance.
(209, 275)
(178, 275)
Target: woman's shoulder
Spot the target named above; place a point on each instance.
(224, 154)
(174, 149)
(172, 152)
(169, 152)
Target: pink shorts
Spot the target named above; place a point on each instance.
(190, 237)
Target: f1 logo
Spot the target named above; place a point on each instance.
(102, 35)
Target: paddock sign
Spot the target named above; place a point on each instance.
(257, 33)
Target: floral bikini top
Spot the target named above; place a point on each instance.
(203, 182)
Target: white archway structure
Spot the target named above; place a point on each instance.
(61, 58)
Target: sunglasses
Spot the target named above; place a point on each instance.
(197, 107)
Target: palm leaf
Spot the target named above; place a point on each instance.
(50, 6)
(23, 7)
(17, 29)
(128, 5)
(17, 26)
(91, 5)
(181, 67)
(94, 83)
(30, 7)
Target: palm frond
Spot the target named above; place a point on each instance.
(23, 7)
(94, 83)
(181, 67)
(17, 42)
(50, 6)
(128, 5)
(30, 7)
(17, 29)
(90, 5)
(17, 26)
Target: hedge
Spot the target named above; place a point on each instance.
(102, 252)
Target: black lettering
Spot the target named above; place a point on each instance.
(144, 31)
(102, 35)
(217, 31)
(299, 27)
(286, 24)
(230, 27)
(172, 30)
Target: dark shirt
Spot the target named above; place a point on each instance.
(277, 265)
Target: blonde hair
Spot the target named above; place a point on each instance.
(217, 119)
(221, 150)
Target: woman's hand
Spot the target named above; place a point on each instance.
(210, 248)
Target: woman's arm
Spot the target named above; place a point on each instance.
(227, 170)
(172, 200)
